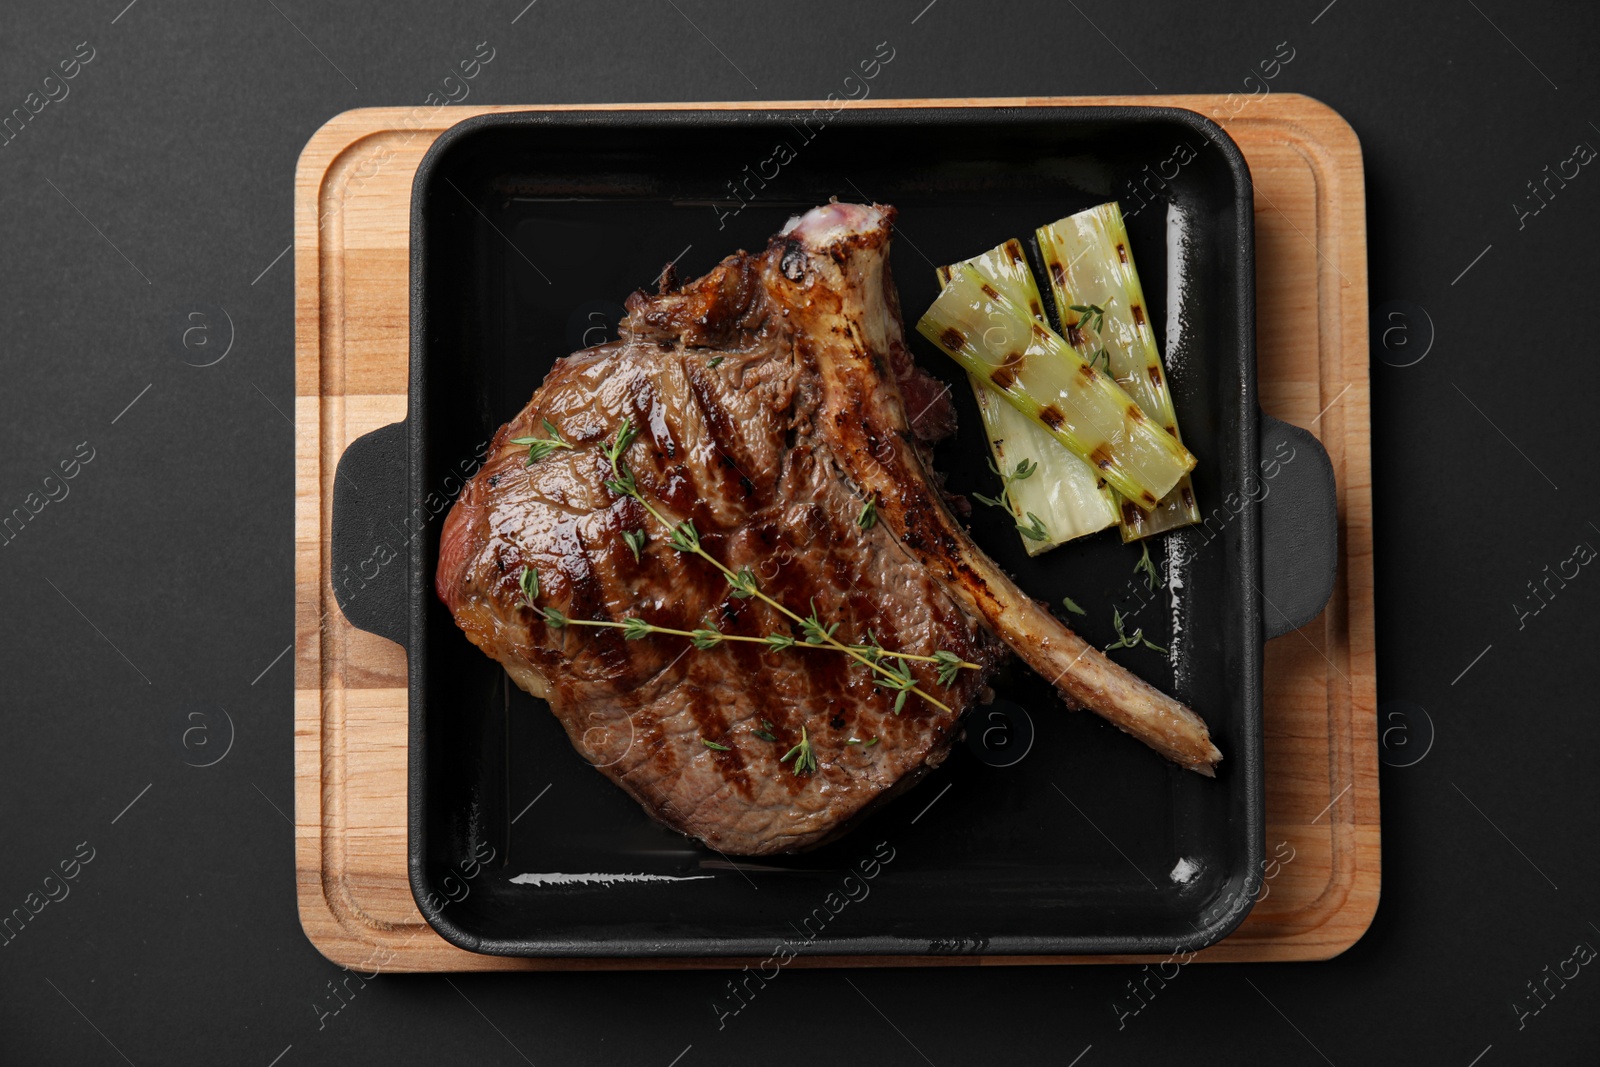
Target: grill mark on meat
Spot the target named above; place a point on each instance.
(588, 600)
(721, 437)
(714, 726)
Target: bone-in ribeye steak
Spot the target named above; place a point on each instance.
(773, 398)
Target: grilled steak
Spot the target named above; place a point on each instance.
(771, 400)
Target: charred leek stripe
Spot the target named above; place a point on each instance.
(1045, 379)
(1066, 494)
(1090, 264)
(1006, 268)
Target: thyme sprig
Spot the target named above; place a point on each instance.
(1125, 641)
(634, 628)
(950, 665)
(1025, 469)
(540, 447)
(707, 637)
(1147, 567)
(1090, 315)
(1033, 529)
(803, 754)
(685, 538)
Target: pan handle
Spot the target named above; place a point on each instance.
(1299, 527)
(369, 553)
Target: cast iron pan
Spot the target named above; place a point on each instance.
(1045, 832)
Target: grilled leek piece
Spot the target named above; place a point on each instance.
(1091, 266)
(1066, 495)
(1044, 378)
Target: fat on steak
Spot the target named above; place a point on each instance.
(771, 400)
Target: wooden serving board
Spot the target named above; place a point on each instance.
(352, 237)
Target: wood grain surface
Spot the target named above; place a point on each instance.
(352, 203)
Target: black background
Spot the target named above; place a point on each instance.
(163, 583)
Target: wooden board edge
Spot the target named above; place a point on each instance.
(1340, 155)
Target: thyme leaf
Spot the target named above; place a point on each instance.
(714, 746)
(869, 514)
(1072, 606)
(636, 540)
(1034, 529)
(619, 444)
(743, 583)
(897, 676)
(540, 447)
(684, 537)
(528, 581)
